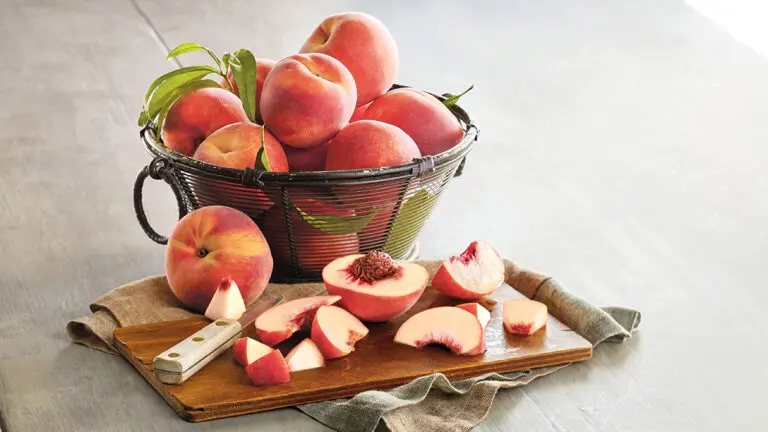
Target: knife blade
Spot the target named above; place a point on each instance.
(179, 362)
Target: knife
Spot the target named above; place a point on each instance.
(181, 361)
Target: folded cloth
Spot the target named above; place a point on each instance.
(429, 403)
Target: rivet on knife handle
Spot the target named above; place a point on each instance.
(176, 364)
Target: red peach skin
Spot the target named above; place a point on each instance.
(236, 146)
(423, 117)
(307, 99)
(364, 45)
(198, 114)
(269, 369)
(370, 144)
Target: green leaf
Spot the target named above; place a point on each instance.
(412, 215)
(169, 81)
(143, 118)
(262, 161)
(243, 66)
(175, 94)
(451, 99)
(335, 224)
(188, 47)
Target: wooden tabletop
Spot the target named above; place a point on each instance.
(622, 150)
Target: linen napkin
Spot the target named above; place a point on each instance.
(429, 403)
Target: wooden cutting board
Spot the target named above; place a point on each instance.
(222, 389)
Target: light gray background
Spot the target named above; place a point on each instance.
(622, 150)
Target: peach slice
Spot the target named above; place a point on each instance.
(247, 350)
(373, 286)
(478, 271)
(335, 331)
(269, 369)
(482, 314)
(280, 322)
(305, 356)
(524, 316)
(455, 328)
(226, 303)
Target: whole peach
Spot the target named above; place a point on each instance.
(370, 144)
(307, 159)
(364, 45)
(198, 114)
(213, 243)
(236, 146)
(307, 99)
(422, 116)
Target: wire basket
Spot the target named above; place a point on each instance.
(311, 218)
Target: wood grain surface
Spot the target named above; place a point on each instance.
(622, 150)
(222, 388)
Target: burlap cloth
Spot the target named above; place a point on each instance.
(429, 403)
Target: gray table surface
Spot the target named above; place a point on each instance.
(623, 150)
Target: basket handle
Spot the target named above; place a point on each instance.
(158, 169)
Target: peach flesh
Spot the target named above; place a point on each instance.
(335, 331)
(226, 303)
(482, 314)
(524, 316)
(476, 272)
(454, 328)
(280, 322)
(247, 350)
(375, 300)
(305, 356)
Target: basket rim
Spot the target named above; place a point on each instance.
(148, 135)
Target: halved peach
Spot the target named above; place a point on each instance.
(280, 322)
(452, 327)
(373, 286)
(336, 331)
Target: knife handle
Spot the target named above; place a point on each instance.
(179, 362)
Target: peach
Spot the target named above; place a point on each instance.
(307, 99)
(373, 286)
(280, 322)
(226, 303)
(370, 144)
(198, 114)
(364, 45)
(213, 243)
(307, 159)
(422, 116)
(454, 328)
(314, 248)
(247, 350)
(336, 331)
(236, 146)
(524, 316)
(269, 369)
(358, 113)
(482, 314)
(263, 67)
(305, 356)
(477, 272)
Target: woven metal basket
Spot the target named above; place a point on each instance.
(310, 218)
